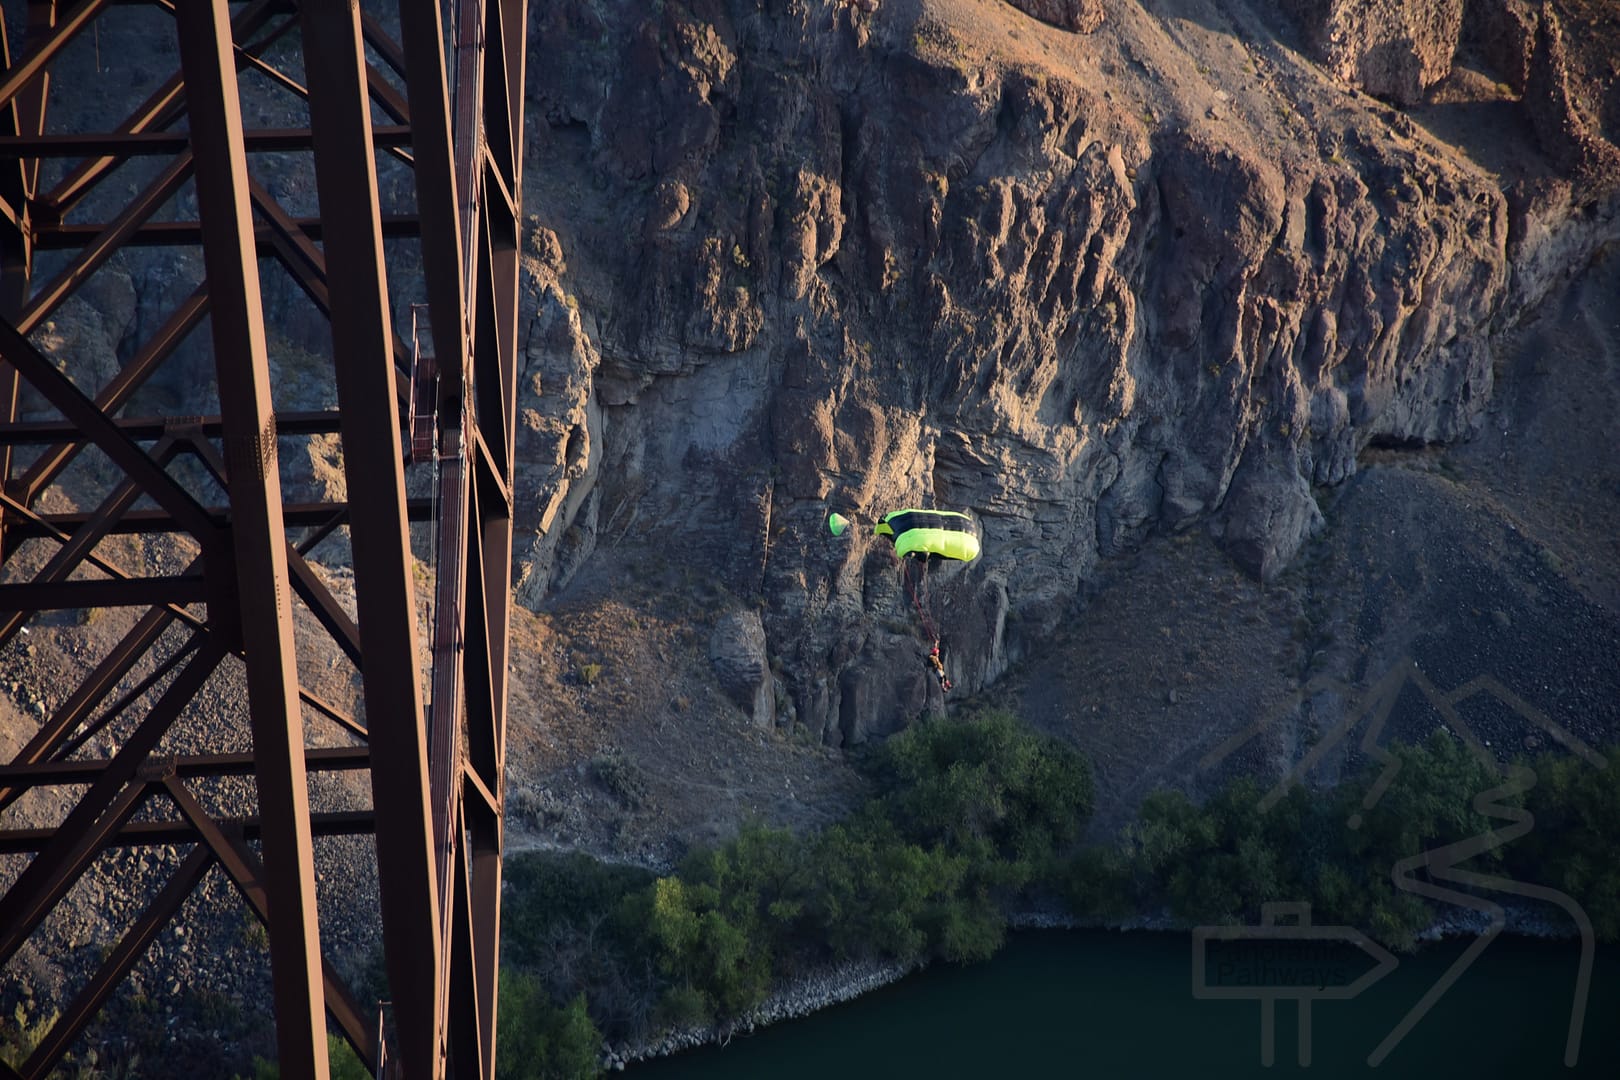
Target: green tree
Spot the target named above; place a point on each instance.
(344, 1063)
(1097, 883)
(699, 947)
(536, 1039)
(875, 894)
(1576, 811)
(986, 778)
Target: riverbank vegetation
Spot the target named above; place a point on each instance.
(1350, 850)
(979, 816)
(974, 814)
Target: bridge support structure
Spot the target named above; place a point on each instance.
(197, 663)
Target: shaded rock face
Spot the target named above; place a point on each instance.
(1081, 16)
(1560, 217)
(737, 653)
(1567, 131)
(1393, 49)
(559, 450)
(817, 270)
(1503, 33)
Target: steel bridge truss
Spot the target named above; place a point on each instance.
(111, 500)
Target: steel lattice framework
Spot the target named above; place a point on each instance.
(434, 94)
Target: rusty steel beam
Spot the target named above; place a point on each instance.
(249, 877)
(363, 343)
(333, 713)
(101, 247)
(158, 111)
(99, 812)
(459, 644)
(33, 63)
(444, 733)
(85, 732)
(383, 93)
(170, 832)
(53, 593)
(75, 549)
(180, 323)
(466, 1014)
(59, 864)
(82, 771)
(40, 526)
(258, 537)
(482, 683)
(324, 606)
(164, 105)
(148, 522)
(486, 615)
(383, 42)
(307, 264)
(29, 106)
(319, 422)
(96, 686)
(102, 592)
(167, 143)
(318, 599)
(16, 260)
(427, 88)
(69, 400)
(118, 963)
(59, 237)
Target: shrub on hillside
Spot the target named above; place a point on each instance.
(1575, 835)
(1219, 862)
(537, 1039)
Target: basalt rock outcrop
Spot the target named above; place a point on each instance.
(1393, 49)
(1565, 126)
(737, 651)
(835, 255)
(1081, 16)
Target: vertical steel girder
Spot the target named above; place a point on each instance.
(260, 546)
(363, 346)
(435, 765)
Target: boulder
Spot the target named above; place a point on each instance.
(1081, 16)
(737, 655)
(1392, 49)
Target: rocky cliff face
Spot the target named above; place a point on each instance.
(1165, 275)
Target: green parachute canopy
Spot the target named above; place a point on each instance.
(945, 534)
(837, 523)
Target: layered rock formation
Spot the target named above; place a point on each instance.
(857, 256)
(1394, 49)
(1082, 16)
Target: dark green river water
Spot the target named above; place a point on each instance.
(1100, 1004)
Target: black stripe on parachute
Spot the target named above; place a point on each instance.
(905, 520)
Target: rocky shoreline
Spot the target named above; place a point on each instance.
(845, 982)
(830, 986)
(1521, 921)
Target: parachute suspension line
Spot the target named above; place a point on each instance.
(921, 603)
(911, 590)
